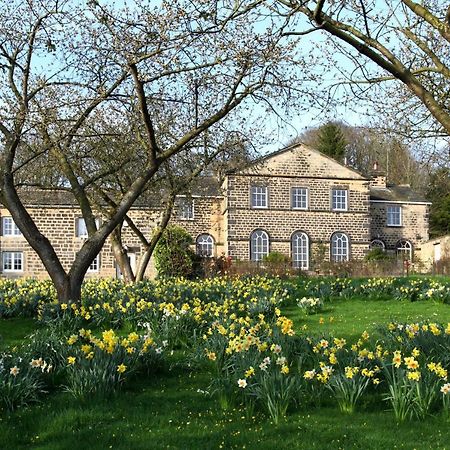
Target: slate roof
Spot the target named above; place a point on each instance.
(204, 186)
(400, 193)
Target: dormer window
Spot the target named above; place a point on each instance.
(259, 197)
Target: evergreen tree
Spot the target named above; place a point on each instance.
(332, 141)
(439, 194)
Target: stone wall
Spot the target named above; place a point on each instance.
(58, 224)
(319, 175)
(414, 225)
(435, 250)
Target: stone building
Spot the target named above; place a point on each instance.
(296, 201)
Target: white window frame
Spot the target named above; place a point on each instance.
(15, 257)
(84, 235)
(302, 194)
(9, 227)
(259, 245)
(259, 196)
(205, 245)
(186, 209)
(404, 247)
(394, 216)
(337, 195)
(339, 247)
(95, 265)
(300, 250)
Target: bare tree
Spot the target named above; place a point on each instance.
(177, 70)
(385, 43)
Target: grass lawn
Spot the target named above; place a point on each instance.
(349, 318)
(12, 331)
(168, 411)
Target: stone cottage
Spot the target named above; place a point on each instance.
(295, 201)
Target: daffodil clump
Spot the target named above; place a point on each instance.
(409, 364)
(407, 289)
(110, 302)
(311, 305)
(98, 365)
(344, 370)
(268, 364)
(236, 328)
(22, 381)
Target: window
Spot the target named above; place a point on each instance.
(299, 198)
(259, 245)
(9, 228)
(12, 261)
(259, 197)
(300, 250)
(81, 229)
(378, 243)
(339, 247)
(339, 200)
(186, 209)
(404, 250)
(394, 216)
(205, 245)
(95, 265)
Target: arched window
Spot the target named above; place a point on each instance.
(404, 250)
(205, 245)
(339, 247)
(259, 245)
(378, 243)
(300, 250)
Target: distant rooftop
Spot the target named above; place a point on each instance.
(396, 193)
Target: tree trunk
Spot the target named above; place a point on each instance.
(143, 264)
(121, 256)
(69, 290)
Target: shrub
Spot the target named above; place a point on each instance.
(173, 255)
(377, 254)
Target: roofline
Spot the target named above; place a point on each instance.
(400, 201)
(291, 147)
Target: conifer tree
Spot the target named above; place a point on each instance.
(332, 141)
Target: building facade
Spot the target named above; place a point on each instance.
(296, 201)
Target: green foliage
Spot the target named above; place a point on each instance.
(439, 194)
(235, 339)
(377, 254)
(276, 258)
(440, 216)
(20, 382)
(332, 141)
(173, 255)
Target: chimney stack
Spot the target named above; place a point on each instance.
(377, 177)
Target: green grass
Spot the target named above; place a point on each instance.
(349, 318)
(12, 331)
(167, 411)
